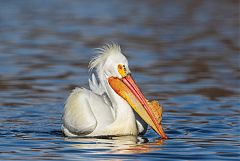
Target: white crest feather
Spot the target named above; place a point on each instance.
(103, 54)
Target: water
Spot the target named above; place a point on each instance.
(183, 53)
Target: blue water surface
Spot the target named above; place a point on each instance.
(183, 53)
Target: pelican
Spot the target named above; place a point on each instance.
(114, 105)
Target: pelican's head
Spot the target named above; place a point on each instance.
(112, 67)
(110, 62)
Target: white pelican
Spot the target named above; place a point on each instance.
(113, 105)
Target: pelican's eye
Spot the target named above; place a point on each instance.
(122, 70)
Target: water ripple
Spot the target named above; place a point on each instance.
(184, 54)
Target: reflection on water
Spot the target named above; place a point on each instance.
(116, 145)
(184, 54)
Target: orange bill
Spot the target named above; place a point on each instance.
(128, 90)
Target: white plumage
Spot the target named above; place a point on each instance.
(100, 110)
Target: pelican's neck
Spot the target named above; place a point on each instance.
(122, 110)
(124, 119)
